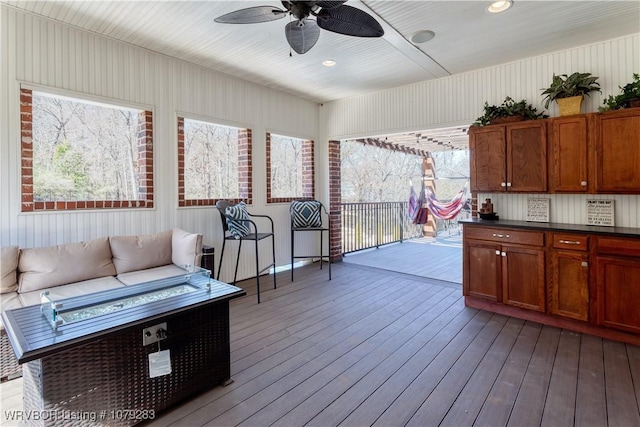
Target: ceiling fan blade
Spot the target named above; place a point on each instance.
(303, 37)
(252, 15)
(330, 4)
(349, 21)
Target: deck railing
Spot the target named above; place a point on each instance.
(371, 225)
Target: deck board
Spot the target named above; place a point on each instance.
(374, 346)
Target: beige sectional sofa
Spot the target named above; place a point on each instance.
(74, 269)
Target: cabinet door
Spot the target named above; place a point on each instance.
(569, 143)
(481, 275)
(527, 156)
(618, 152)
(618, 292)
(487, 153)
(523, 279)
(570, 284)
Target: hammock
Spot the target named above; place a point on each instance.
(445, 210)
(417, 213)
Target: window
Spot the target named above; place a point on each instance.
(214, 162)
(78, 154)
(290, 170)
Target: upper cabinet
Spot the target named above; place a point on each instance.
(568, 159)
(510, 157)
(617, 151)
(589, 153)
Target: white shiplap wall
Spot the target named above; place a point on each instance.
(50, 55)
(459, 99)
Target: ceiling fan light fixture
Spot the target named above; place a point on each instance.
(329, 62)
(422, 36)
(500, 6)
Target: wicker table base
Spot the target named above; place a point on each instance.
(106, 382)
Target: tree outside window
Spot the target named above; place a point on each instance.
(290, 168)
(214, 162)
(79, 154)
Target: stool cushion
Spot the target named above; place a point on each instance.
(237, 229)
(306, 214)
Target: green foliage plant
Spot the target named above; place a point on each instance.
(629, 92)
(564, 86)
(509, 107)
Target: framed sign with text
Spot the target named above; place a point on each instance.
(537, 210)
(600, 212)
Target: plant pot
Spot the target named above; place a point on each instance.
(507, 119)
(569, 106)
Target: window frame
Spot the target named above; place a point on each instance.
(245, 163)
(145, 153)
(308, 170)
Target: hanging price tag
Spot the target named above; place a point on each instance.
(159, 364)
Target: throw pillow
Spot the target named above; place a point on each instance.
(238, 229)
(306, 214)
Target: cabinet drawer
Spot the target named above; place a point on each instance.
(505, 235)
(618, 246)
(576, 242)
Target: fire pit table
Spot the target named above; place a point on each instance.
(118, 357)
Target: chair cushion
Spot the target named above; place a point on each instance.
(8, 269)
(306, 214)
(132, 253)
(237, 229)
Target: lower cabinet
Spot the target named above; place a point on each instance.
(506, 266)
(618, 283)
(569, 276)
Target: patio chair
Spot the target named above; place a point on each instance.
(307, 215)
(237, 226)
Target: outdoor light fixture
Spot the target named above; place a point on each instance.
(328, 62)
(422, 36)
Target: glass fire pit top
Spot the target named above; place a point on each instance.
(77, 309)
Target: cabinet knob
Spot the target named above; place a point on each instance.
(497, 252)
(585, 264)
(501, 235)
(583, 183)
(503, 254)
(508, 184)
(503, 184)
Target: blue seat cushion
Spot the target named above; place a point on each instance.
(237, 229)
(306, 214)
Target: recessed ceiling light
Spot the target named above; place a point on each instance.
(328, 62)
(422, 36)
(500, 6)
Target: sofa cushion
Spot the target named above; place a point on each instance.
(9, 301)
(131, 253)
(72, 290)
(157, 273)
(68, 263)
(8, 268)
(186, 248)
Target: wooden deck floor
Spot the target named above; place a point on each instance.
(437, 258)
(374, 347)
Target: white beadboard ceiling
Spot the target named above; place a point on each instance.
(467, 38)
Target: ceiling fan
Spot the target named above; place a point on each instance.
(303, 33)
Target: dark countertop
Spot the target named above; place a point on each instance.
(554, 226)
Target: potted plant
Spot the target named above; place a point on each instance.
(568, 91)
(508, 111)
(630, 96)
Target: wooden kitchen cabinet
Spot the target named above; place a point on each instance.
(569, 276)
(618, 283)
(617, 151)
(505, 265)
(569, 155)
(510, 157)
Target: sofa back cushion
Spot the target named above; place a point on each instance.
(186, 248)
(68, 263)
(8, 268)
(131, 253)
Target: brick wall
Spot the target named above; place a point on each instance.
(335, 201)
